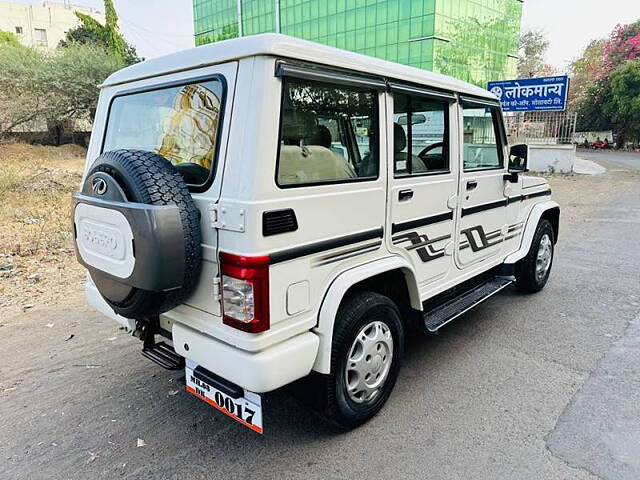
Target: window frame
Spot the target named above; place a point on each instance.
(446, 135)
(337, 85)
(497, 128)
(43, 31)
(179, 83)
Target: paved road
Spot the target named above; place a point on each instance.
(612, 158)
(525, 387)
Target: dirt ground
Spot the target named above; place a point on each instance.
(37, 261)
(78, 401)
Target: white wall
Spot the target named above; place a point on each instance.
(54, 18)
(591, 137)
(551, 158)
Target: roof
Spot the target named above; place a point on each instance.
(278, 45)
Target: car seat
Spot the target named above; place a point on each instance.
(304, 162)
(400, 157)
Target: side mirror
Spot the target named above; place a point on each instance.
(518, 160)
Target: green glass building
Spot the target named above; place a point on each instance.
(473, 40)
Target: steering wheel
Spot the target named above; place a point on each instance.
(425, 151)
(435, 162)
(192, 173)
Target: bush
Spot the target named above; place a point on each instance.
(53, 87)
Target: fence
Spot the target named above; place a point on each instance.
(541, 128)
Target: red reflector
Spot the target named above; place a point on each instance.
(242, 261)
(245, 304)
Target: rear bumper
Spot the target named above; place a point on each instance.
(258, 372)
(95, 301)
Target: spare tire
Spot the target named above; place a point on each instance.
(145, 177)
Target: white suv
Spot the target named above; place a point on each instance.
(279, 210)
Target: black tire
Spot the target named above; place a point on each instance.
(355, 313)
(146, 177)
(527, 278)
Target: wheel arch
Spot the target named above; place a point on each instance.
(553, 215)
(368, 276)
(549, 210)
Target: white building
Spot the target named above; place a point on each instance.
(42, 25)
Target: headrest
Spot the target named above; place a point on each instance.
(321, 137)
(399, 138)
(298, 124)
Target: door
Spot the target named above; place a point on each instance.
(185, 118)
(423, 180)
(482, 206)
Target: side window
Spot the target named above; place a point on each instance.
(328, 134)
(420, 135)
(482, 145)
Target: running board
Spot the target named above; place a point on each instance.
(164, 355)
(437, 318)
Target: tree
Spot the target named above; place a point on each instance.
(450, 56)
(73, 76)
(591, 114)
(624, 45)
(90, 31)
(56, 86)
(586, 70)
(21, 79)
(623, 104)
(533, 48)
(8, 38)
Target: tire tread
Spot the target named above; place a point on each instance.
(149, 178)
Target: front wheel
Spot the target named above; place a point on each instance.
(532, 272)
(367, 349)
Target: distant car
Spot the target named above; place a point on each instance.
(265, 210)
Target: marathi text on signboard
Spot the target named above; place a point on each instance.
(532, 94)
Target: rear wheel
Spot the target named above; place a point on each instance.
(367, 349)
(532, 272)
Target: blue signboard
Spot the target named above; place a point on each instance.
(532, 94)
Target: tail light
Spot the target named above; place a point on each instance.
(245, 292)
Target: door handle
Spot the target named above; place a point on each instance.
(405, 195)
(472, 185)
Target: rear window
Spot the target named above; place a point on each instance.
(180, 123)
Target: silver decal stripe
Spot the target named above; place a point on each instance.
(350, 252)
(421, 222)
(346, 256)
(324, 245)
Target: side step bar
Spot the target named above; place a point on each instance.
(164, 355)
(438, 317)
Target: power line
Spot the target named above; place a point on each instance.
(140, 27)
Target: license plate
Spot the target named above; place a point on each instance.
(247, 409)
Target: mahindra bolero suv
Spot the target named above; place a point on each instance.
(266, 210)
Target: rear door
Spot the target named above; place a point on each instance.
(482, 212)
(202, 297)
(185, 118)
(423, 179)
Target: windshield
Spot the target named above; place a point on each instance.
(179, 122)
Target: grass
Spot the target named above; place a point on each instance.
(37, 260)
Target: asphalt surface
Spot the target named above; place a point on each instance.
(618, 159)
(522, 387)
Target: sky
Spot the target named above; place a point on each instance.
(154, 27)
(157, 27)
(571, 24)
